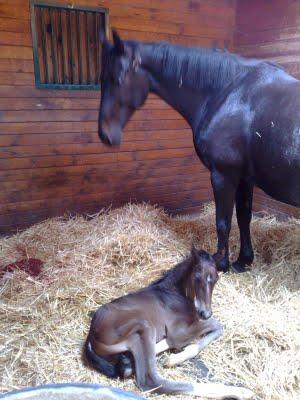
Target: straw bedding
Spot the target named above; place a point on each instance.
(44, 319)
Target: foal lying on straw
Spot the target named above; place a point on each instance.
(170, 313)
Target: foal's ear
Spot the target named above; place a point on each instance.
(118, 42)
(195, 254)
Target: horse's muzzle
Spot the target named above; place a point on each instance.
(109, 140)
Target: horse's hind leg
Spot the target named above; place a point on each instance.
(224, 186)
(244, 198)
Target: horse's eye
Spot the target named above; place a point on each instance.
(197, 275)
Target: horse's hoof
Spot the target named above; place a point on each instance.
(223, 269)
(238, 267)
(222, 265)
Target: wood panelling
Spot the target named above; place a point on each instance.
(51, 159)
(270, 30)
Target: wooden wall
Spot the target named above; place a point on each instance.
(51, 160)
(270, 30)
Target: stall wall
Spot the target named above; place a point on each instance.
(270, 30)
(52, 161)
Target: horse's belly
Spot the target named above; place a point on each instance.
(276, 165)
(289, 195)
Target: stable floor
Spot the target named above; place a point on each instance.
(44, 319)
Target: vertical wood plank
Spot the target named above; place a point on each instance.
(54, 49)
(59, 49)
(74, 46)
(47, 36)
(64, 17)
(91, 45)
(83, 44)
(78, 42)
(40, 46)
(98, 29)
(88, 78)
(70, 47)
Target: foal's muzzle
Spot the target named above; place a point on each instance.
(204, 314)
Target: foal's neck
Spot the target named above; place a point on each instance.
(178, 278)
(188, 78)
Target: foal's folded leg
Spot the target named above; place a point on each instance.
(194, 349)
(161, 346)
(142, 345)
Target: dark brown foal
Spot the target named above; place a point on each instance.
(174, 312)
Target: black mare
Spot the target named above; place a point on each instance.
(244, 114)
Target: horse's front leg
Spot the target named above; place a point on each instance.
(192, 350)
(224, 187)
(243, 203)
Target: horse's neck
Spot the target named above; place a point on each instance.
(172, 91)
(189, 100)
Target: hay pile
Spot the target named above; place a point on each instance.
(44, 320)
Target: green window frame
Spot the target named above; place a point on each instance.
(66, 45)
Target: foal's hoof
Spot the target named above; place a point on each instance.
(202, 370)
(124, 366)
(172, 360)
(239, 267)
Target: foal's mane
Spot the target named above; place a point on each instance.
(197, 67)
(175, 275)
(171, 277)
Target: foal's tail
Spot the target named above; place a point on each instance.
(99, 363)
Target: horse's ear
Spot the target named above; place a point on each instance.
(118, 42)
(137, 61)
(104, 41)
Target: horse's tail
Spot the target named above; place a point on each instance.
(99, 363)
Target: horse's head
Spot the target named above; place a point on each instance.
(124, 87)
(203, 279)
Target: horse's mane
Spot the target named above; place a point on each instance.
(198, 67)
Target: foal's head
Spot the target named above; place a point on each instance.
(202, 280)
(124, 87)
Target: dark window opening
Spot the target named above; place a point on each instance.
(66, 45)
